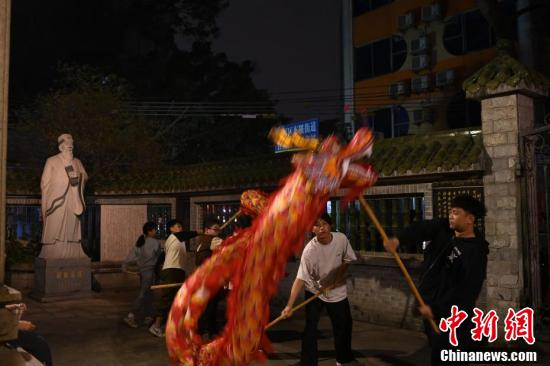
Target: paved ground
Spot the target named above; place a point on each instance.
(89, 332)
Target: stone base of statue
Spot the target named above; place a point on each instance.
(61, 278)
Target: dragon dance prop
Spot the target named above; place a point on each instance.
(252, 201)
(254, 260)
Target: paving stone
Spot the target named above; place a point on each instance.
(97, 336)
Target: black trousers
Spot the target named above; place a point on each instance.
(169, 275)
(34, 344)
(439, 342)
(340, 317)
(208, 322)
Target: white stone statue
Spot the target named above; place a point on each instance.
(62, 187)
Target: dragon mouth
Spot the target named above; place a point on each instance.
(360, 146)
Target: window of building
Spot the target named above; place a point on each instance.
(389, 122)
(462, 112)
(222, 211)
(160, 215)
(91, 232)
(24, 223)
(380, 57)
(364, 6)
(394, 214)
(467, 32)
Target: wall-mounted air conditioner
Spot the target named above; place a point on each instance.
(420, 62)
(445, 78)
(420, 45)
(405, 21)
(421, 84)
(431, 12)
(419, 116)
(399, 88)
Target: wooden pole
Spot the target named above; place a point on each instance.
(166, 285)
(297, 307)
(169, 285)
(230, 220)
(408, 278)
(338, 282)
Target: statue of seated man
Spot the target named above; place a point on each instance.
(62, 187)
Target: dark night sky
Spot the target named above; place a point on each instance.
(295, 46)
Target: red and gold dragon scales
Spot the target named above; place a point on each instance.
(254, 260)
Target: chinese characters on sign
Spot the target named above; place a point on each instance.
(443, 194)
(518, 324)
(308, 128)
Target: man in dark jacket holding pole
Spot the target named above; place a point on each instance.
(454, 268)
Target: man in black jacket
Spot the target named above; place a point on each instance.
(454, 268)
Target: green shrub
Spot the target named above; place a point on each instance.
(21, 251)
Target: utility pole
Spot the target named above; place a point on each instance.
(347, 67)
(525, 32)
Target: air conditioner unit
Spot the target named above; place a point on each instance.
(399, 88)
(420, 45)
(445, 78)
(431, 12)
(405, 21)
(421, 115)
(420, 62)
(420, 84)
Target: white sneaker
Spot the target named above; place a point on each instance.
(157, 332)
(130, 321)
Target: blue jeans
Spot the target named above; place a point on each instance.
(144, 301)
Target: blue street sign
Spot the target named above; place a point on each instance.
(307, 128)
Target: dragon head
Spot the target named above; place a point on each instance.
(327, 164)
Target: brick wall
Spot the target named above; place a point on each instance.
(379, 294)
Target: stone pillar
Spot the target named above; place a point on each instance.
(507, 88)
(504, 117)
(8, 319)
(5, 6)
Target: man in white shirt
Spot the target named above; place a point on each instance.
(326, 256)
(172, 270)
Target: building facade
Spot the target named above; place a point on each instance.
(410, 59)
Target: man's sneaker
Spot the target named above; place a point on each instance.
(130, 321)
(157, 332)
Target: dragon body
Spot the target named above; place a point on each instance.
(254, 260)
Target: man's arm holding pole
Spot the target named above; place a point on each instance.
(297, 287)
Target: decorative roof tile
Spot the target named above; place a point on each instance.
(504, 74)
(447, 151)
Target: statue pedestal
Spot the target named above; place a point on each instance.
(61, 278)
